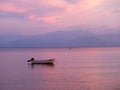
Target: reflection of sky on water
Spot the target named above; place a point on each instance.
(75, 69)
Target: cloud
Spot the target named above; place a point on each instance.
(111, 12)
(72, 1)
(43, 11)
(53, 11)
(33, 16)
(4, 14)
(47, 11)
(46, 19)
(35, 10)
(9, 7)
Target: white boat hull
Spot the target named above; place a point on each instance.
(50, 61)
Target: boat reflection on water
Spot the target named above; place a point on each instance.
(41, 65)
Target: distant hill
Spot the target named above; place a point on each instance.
(73, 38)
(9, 37)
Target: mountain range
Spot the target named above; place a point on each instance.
(69, 38)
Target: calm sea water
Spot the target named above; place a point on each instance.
(75, 69)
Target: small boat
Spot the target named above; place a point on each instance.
(48, 61)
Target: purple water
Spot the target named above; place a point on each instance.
(75, 69)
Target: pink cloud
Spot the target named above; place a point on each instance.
(36, 10)
(111, 12)
(9, 7)
(52, 11)
(25, 7)
(46, 19)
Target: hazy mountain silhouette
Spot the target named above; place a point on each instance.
(9, 37)
(73, 38)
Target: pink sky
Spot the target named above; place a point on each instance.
(40, 16)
